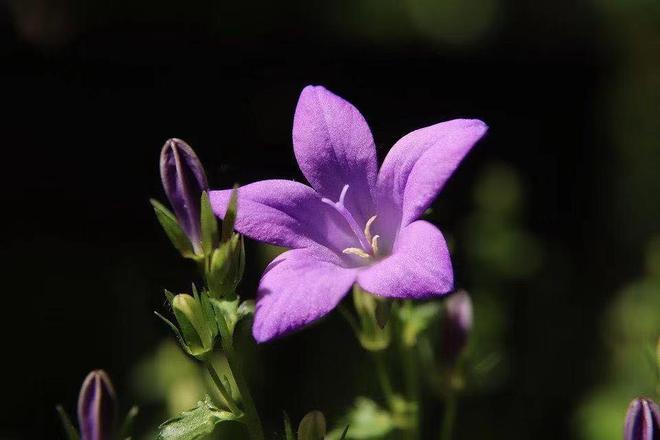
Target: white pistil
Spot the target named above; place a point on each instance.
(357, 251)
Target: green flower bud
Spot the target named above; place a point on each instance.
(197, 326)
(312, 426)
(227, 267)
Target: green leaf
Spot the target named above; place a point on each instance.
(343, 434)
(174, 232)
(288, 431)
(312, 426)
(230, 215)
(226, 313)
(69, 429)
(127, 426)
(209, 225)
(196, 423)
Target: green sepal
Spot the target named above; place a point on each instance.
(230, 216)
(288, 430)
(209, 225)
(371, 334)
(127, 425)
(229, 313)
(312, 426)
(177, 333)
(69, 429)
(174, 232)
(170, 296)
(196, 423)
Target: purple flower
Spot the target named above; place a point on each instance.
(355, 223)
(642, 420)
(184, 181)
(456, 325)
(97, 407)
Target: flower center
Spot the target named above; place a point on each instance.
(368, 242)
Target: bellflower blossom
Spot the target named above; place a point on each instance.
(355, 223)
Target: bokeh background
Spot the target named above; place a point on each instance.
(553, 219)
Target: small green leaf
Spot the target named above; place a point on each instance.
(196, 423)
(312, 426)
(174, 232)
(69, 429)
(230, 215)
(288, 431)
(209, 225)
(343, 434)
(416, 318)
(127, 426)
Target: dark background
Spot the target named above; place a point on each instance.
(92, 89)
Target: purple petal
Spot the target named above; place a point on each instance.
(97, 407)
(419, 164)
(299, 287)
(334, 147)
(419, 266)
(183, 180)
(285, 213)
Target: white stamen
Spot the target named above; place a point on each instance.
(374, 245)
(367, 228)
(356, 251)
(344, 190)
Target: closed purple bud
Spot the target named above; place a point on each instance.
(456, 325)
(642, 420)
(184, 181)
(97, 407)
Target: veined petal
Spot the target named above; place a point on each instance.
(284, 213)
(299, 287)
(334, 147)
(419, 267)
(420, 163)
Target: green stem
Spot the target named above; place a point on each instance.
(233, 407)
(252, 420)
(384, 378)
(412, 389)
(449, 418)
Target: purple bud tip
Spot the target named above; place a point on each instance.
(97, 407)
(456, 325)
(642, 420)
(184, 181)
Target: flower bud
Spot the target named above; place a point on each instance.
(456, 326)
(227, 267)
(184, 181)
(198, 330)
(312, 426)
(97, 407)
(642, 420)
